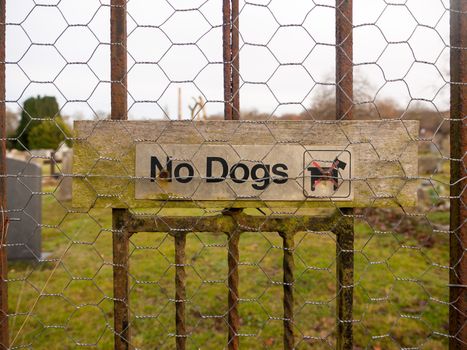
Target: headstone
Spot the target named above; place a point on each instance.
(24, 210)
(41, 156)
(61, 152)
(64, 188)
(21, 155)
(41, 153)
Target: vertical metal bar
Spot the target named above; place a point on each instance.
(226, 41)
(236, 60)
(345, 230)
(180, 291)
(233, 318)
(231, 86)
(345, 279)
(458, 210)
(118, 54)
(4, 341)
(288, 280)
(344, 59)
(232, 111)
(119, 111)
(121, 266)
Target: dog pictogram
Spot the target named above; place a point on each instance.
(319, 173)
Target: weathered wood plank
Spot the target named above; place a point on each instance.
(107, 173)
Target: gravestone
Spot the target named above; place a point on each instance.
(16, 154)
(64, 188)
(25, 210)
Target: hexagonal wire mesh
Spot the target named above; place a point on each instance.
(246, 286)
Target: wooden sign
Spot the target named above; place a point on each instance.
(141, 164)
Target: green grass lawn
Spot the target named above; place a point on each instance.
(400, 295)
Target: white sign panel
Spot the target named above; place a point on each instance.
(281, 172)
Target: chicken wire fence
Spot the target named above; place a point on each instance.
(204, 277)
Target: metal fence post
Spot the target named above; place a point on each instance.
(226, 42)
(230, 42)
(344, 59)
(458, 211)
(345, 279)
(345, 230)
(235, 60)
(121, 266)
(120, 238)
(288, 267)
(119, 60)
(4, 340)
(233, 318)
(180, 290)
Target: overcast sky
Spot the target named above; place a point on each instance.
(287, 53)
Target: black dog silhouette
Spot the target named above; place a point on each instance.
(331, 173)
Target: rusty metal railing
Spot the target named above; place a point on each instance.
(232, 223)
(344, 111)
(4, 336)
(119, 111)
(458, 209)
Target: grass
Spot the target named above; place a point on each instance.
(398, 302)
